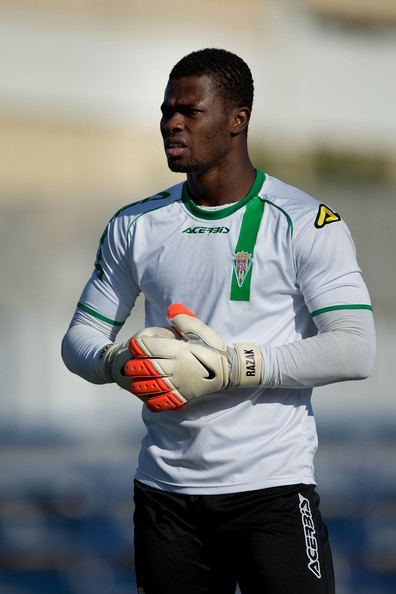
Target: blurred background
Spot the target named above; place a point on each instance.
(80, 88)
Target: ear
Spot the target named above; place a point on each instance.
(240, 120)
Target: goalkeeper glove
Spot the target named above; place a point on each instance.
(168, 371)
(113, 358)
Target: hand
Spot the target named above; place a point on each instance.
(169, 370)
(113, 358)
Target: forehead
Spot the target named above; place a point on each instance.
(190, 90)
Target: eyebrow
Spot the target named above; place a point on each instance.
(166, 105)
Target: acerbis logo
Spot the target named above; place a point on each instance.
(310, 539)
(206, 230)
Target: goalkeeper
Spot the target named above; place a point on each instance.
(253, 297)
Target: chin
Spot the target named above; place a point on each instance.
(189, 167)
(178, 168)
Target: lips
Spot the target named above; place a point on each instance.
(174, 148)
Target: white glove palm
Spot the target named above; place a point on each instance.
(168, 370)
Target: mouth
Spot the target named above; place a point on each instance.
(174, 149)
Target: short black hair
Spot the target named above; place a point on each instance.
(229, 74)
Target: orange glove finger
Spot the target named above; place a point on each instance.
(135, 349)
(156, 395)
(149, 387)
(177, 309)
(169, 401)
(140, 368)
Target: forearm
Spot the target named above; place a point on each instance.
(344, 349)
(82, 344)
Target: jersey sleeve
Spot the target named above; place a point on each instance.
(111, 292)
(328, 274)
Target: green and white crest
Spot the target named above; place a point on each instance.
(242, 264)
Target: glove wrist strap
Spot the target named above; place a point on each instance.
(104, 363)
(247, 366)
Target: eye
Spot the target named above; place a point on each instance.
(189, 111)
(166, 112)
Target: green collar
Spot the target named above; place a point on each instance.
(228, 210)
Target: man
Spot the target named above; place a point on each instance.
(253, 296)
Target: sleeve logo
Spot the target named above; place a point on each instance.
(325, 216)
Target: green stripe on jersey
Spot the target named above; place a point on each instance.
(228, 210)
(337, 307)
(288, 217)
(244, 251)
(96, 314)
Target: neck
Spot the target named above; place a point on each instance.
(224, 184)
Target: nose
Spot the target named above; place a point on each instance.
(172, 123)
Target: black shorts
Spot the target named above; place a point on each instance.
(269, 541)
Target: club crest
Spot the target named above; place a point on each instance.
(242, 264)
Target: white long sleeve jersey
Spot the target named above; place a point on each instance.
(264, 269)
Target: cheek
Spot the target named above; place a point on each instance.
(218, 140)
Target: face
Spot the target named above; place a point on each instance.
(195, 125)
